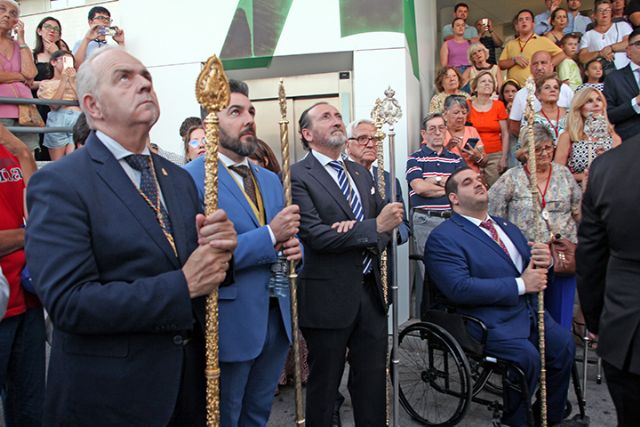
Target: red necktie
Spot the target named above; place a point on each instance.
(488, 225)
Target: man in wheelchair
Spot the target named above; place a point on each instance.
(485, 267)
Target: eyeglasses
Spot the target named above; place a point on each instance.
(546, 148)
(50, 27)
(364, 139)
(433, 129)
(635, 44)
(103, 18)
(607, 10)
(195, 143)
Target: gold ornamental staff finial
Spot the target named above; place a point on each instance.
(378, 119)
(388, 111)
(293, 288)
(376, 116)
(537, 211)
(212, 93)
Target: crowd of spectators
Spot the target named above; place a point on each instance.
(584, 66)
(47, 72)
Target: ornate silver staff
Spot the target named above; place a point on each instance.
(212, 93)
(293, 288)
(538, 234)
(389, 112)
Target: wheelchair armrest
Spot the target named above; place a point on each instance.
(480, 324)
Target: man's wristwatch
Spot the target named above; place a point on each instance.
(438, 180)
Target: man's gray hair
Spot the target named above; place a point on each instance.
(354, 124)
(87, 79)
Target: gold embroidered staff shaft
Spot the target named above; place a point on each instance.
(212, 93)
(538, 233)
(293, 288)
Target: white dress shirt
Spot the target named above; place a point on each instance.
(120, 153)
(325, 160)
(514, 254)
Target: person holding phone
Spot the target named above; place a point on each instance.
(100, 27)
(62, 86)
(461, 139)
(489, 38)
(17, 69)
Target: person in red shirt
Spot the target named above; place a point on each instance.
(22, 331)
(489, 117)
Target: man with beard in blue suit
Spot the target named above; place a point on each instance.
(485, 267)
(255, 326)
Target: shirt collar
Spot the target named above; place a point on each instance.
(228, 162)
(634, 66)
(118, 151)
(324, 160)
(476, 221)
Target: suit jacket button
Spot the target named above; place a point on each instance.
(178, 340)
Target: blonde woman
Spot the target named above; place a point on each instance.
(575, 149)
(479, 60)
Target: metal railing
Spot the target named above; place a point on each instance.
(36, 101)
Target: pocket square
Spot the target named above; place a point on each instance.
(373, 190)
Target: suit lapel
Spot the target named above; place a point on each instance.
(364, 190)
(229, 183)
(516, 240)
(114, 177)
(264, 191)
(319, 173)
(475, 231)
(176, 212)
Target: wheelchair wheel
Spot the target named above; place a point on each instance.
(433, 374)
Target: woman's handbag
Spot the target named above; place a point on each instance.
(28, 115)
(564, 256)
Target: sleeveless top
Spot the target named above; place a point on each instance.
(14, 89)
(583, 152)
(457, 53)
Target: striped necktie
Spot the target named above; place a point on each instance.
(354, 202)
(488, 225)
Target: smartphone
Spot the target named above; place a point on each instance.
(107, 31)
(67, 62)
(471, 142)
(485, 22)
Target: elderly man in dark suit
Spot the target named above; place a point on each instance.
(622, 91)
(608, 272)
(342, 304)
(122, 260)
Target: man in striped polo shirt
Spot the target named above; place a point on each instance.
(427, 172)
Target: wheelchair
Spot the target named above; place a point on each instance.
(442, 369)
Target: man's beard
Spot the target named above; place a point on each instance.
(244, 149)
(336, 140)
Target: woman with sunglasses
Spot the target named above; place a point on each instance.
(194, 141)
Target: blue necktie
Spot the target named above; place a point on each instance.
(149, 189)
(354, 201)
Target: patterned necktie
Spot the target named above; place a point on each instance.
(488, 225)
(247, 182)
(354, 202)
(149, 189)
